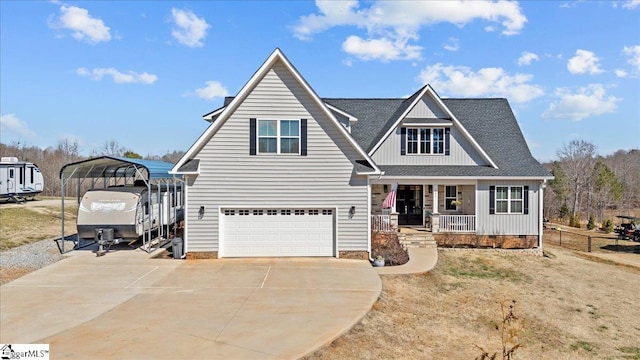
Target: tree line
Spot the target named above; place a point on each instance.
(52, 159)
(590, 187)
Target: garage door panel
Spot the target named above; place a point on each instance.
(281, 232)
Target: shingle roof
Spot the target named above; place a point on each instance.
(489, 121)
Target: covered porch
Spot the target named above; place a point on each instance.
(439, 207)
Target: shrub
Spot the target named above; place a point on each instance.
(391, 250)
(574, 221)
(592, 223)
(607, 225)
(563, 212)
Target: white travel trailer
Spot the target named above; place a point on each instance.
(128, 212)
(19, 180)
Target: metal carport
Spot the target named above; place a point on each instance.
(118, 171)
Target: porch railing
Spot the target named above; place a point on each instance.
(457, 223)
(381, 223)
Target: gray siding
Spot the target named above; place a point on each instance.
(426, 108)
(507, 224)
(462, 153)
(229, 176)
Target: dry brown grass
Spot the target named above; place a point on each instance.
(34, 221)
(570, 308)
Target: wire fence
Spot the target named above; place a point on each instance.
(595, 241)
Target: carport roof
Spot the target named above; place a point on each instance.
(108, 166)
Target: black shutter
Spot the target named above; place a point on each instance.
(403, 141)
(303, 137)
(526, 199)
(252, 136)
(492, 199)
(447, 136)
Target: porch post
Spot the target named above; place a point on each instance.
(435, 217)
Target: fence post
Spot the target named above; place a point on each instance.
(560, 230)
(589, 243)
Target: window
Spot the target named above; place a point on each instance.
(425, 141)
(279, 136)
(451, 195)
(509, 199)
(412, 141)
(438, 141)
(243, 212)
(257, 212)
(272, 212)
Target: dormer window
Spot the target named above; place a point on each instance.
(425, 141)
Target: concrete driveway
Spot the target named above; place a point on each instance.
(126, 305)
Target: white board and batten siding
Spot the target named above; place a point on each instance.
(230, 177)
(461, 152)
(427, 108)
(507, 224)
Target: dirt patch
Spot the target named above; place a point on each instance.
(570, 307)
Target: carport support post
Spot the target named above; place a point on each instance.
(560, 237)
(589, 243)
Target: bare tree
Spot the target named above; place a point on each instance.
(577, 161)
(112, 148)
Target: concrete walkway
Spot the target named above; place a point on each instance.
(127, 306)
(420, 260)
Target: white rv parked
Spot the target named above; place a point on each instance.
(19, 180)
(128, 212)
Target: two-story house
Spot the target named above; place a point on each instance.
(283, 172)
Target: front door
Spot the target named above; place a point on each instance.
(409, 204)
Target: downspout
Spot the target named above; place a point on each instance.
(543, 185)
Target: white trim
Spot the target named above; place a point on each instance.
(275, 56)
(343, 113)
(428, 90)
(369, 217)
(185, 206)
(454, 178)
(209, 117)
(541, 212)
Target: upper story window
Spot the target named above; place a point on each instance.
(509, 199)
(425, 141)
(279, 136)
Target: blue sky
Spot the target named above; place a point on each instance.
(143, 73)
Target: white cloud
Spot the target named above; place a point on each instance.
(189, 29)
(213, 90)
(452, 44)
(634, 56)
(584, 62)
(621, 73)
(118, 77)
(588, 101)
(11, 124)
(391, 25)
(527, 57)
(631, 4)
(83, 26)
(380, 49)
(462, 81)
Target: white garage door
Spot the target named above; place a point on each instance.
(277, 232)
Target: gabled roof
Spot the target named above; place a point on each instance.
(484, 119)
(276, 56)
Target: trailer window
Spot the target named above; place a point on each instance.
(32, 177)
(21, 176)
(11, 173)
